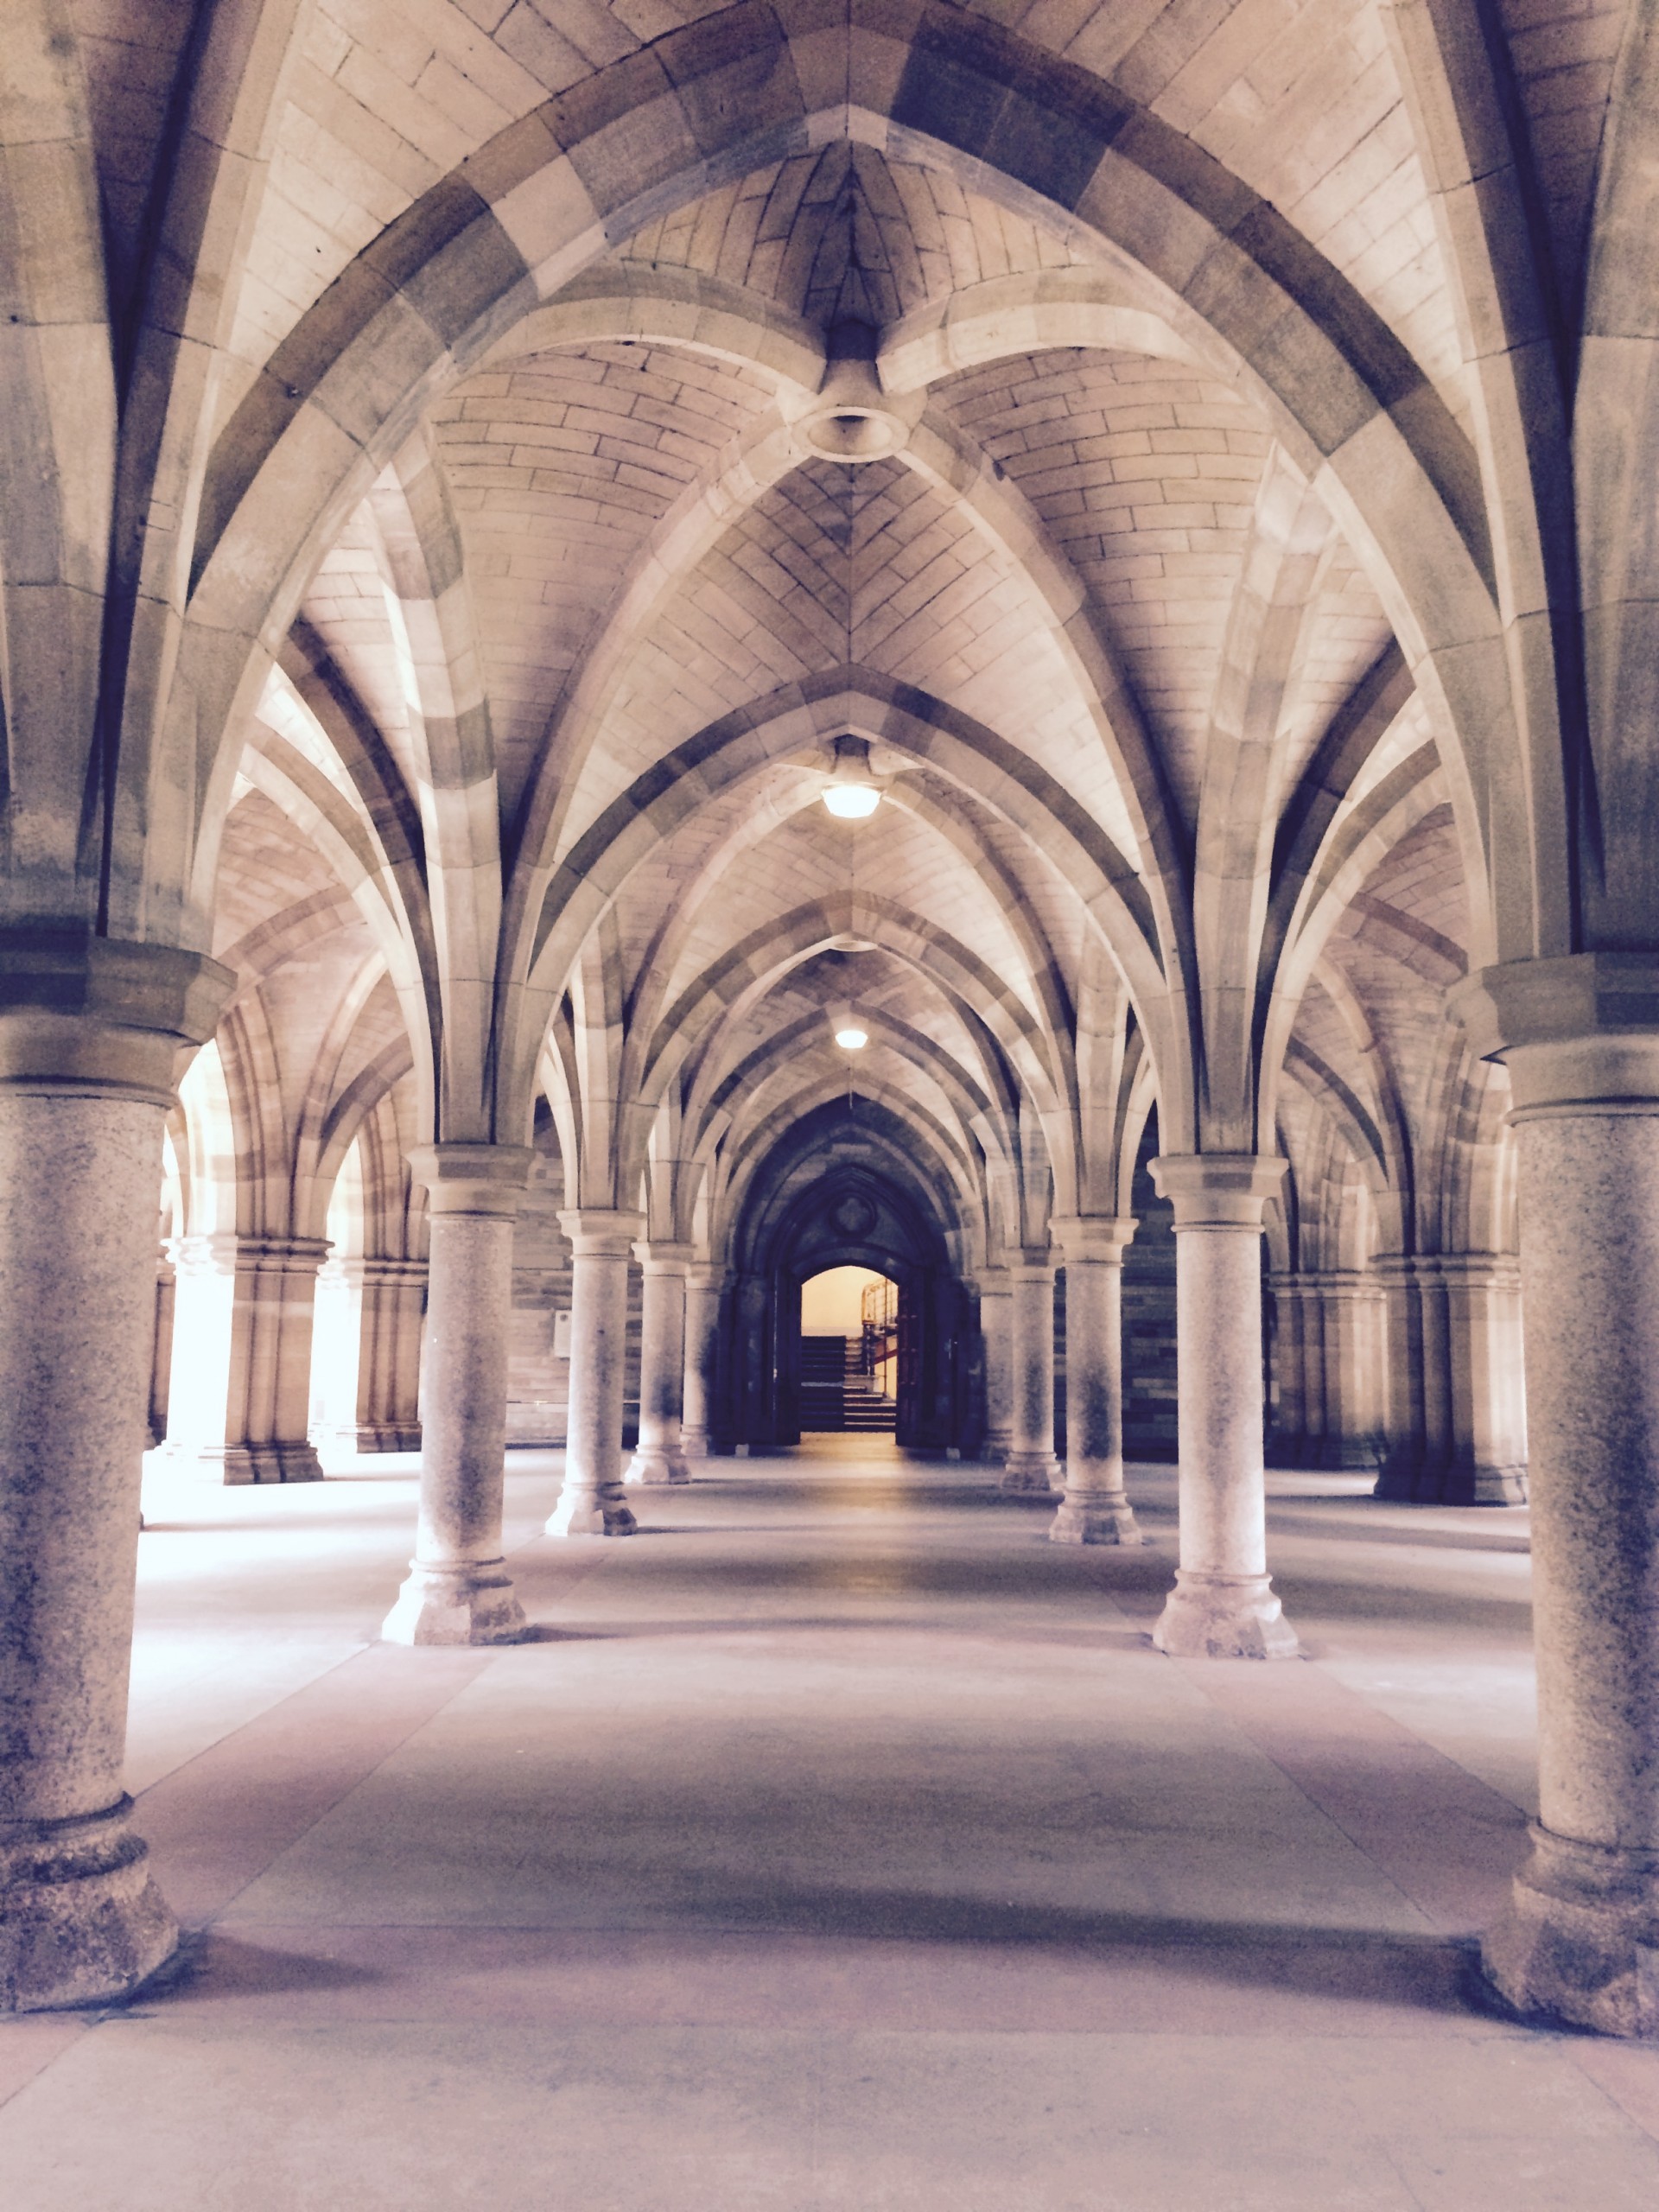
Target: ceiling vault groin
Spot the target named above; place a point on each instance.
(1159, 599)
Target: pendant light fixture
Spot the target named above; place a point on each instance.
(852, 793)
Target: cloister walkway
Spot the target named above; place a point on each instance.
(837, 1846)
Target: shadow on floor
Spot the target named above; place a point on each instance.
(1354, 1968)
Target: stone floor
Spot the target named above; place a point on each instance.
(839, 1843)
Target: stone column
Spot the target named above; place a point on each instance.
(1287, 1443)
(90, 1030)
(458, 1590)
(702, 1286)
(591, 1503)
(161, 1365)
(1030, 1464)
(996, 1335)
(1402, 1455)
(1317, 1407)
(268, 1412)
(660, 1456)
(1096, 1509)
(1223, 1605)
(1420, 1415)
(1487, 1464)
(240, 1380)
(199, 1373)
(1351, 1419)
(393, 1296)
(1437, 1375)
(1579, 1939)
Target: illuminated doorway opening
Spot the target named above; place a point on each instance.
(849, 1352)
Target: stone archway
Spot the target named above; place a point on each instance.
(834, 1195)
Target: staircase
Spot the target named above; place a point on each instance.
(834, 1395)
(823, 1379)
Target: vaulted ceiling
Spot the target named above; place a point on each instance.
(1127, 664)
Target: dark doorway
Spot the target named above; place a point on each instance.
(841, 1193)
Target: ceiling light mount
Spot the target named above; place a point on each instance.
(852, 793)
(852, 418)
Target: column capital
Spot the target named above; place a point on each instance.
(198, 1255)
(607, 1232)
(294, 1255)
(1578, 1032)
(96, 1015)
(1100, 1238)
(704, 1274)
(664, 1256)
(380, 1270)
(994, 1280)
(475, 1178)
(1480, 1270)
(1217, 1190)
(1426, 1269)
(1032, 1261)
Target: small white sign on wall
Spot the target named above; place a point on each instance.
(561, 1333)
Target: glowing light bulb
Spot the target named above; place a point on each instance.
(852, 1039)
(852, 801)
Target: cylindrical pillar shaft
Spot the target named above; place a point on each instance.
(1223, 1605)
(1096, 1508)
(1579, 1939)
(1030, 1464)
(702, 1285)
(82, 1101)
(591, 1503)
(458, 1590)
(80, 1915)
(659, 1456)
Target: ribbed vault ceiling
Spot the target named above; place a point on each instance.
(1093, 591)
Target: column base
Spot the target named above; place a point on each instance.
(1031, 1470)
(995, 1448)
(81, 1921)
(470, 1603)
(1223, 1617)
(589, 1512)
(695, 1444)
(239, 1464)
(388, 1436)
(653, 1467)
(1579, 1940)
(1486, 1485)
(1093, 1516)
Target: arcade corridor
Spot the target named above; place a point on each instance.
(847, 1846)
